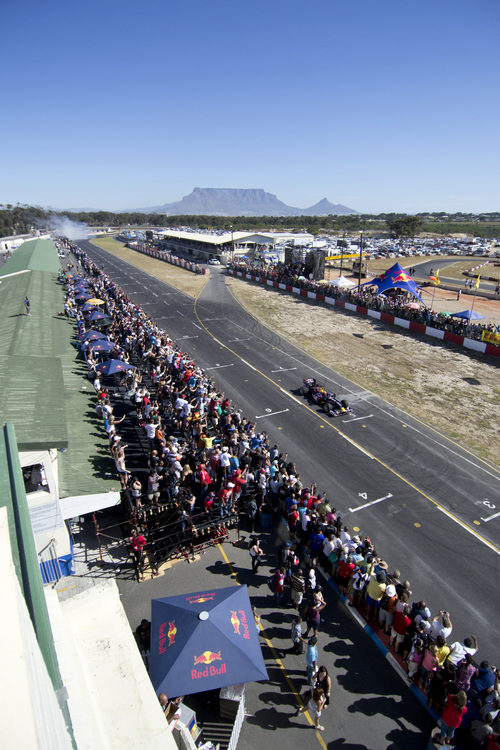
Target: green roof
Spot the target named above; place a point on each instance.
(34, 255)
(27, 399)
(45, 390)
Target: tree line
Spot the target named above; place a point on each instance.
(22, 219)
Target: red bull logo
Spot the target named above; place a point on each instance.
(207, 657)
(402, 277)
(172, 630)
(235, 622)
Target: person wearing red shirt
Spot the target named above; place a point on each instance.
(279, 585)
(138, 542)
(344, 572)
(225, 499)
(293, 519)
(456, 707)
(239, 479)
(399, 628)
(204, 480)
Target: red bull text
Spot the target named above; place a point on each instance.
(207, 657)
(240, 623)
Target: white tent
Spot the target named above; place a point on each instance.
(342, 282)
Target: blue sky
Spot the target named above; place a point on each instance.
(388, 106)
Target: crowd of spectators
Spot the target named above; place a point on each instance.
(199, 452)
(204, 464)
(463, 692)
(398, 303)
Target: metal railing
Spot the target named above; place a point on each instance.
(49, 563)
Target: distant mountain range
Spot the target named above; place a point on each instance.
(242, 202)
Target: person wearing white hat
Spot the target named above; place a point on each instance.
(224, 462)
(387, 606)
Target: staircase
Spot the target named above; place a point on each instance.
(218, 732)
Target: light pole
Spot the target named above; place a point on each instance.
(360, 260)
(342, 253)
(232, 245)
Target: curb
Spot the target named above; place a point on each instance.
(390, 658)
(483, 347)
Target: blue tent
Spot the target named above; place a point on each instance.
(112, 366)
(395, 278)
(204, 641)
(468, 315)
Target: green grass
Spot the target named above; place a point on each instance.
(108, 243)
(456, 270)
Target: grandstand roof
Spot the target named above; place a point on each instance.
(215, 239)
(35, 255)
(45, 391)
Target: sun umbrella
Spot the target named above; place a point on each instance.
(93, 335)
(204, 641)
(95, 301)
(100, 345)
(468, 315)
(88, 307)
(112, 366)
(96, 315)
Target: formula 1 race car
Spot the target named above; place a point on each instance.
(307, 385)
(328, 401)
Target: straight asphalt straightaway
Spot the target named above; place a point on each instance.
(431, 507)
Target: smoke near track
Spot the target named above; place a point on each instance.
(73, 230)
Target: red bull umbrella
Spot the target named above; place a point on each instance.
(112, 366)
(204, 641)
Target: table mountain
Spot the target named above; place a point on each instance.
(242, 202)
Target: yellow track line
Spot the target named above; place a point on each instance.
(329, 424)
(278, 661)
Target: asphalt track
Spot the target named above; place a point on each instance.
(432, 507)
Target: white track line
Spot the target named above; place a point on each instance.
(272, 413)
(373, 502)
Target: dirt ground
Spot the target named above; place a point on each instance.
(455, 391)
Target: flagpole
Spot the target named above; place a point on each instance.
(433, 293)
(435, 279)
(476, 285)
(474, 297)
